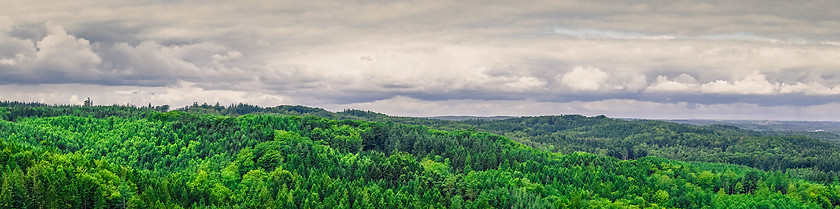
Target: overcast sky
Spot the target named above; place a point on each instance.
(748, 59)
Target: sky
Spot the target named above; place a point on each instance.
(656, 59)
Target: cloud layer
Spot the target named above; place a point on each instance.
(690, 59)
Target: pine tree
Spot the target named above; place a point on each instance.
(6, 193)
(739, 188)
(468, 164)
(13, 191)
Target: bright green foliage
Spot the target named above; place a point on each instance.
(623, 139)
(133, 158)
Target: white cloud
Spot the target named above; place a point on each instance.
(685, 78)
(74, 100)
(683, 83)
(182, 94)
(12, 60)
(755, 83)
(525, 83)
(752, 84)
(186, 93)
(628, 81)
(231, 55)
(811, 88)
(58, 55)
(13, 51)
(62, 52)
(61, 57)
(585, 78)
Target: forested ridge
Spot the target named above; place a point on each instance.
(198, 157)
(623, 139)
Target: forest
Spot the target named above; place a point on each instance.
(798, 153)
(245, 156)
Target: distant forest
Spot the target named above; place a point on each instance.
(245, 156)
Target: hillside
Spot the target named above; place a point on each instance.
(623, 139)
(767, 125)
(111, 156)
(462, 118)
(827, 130)
(633, 139)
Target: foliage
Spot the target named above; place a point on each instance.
(623, 139)
(125, 157)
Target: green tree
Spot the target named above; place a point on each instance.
(3, 113)
(662, 197)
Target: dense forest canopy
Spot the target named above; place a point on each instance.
(245, 156)
(623, 139)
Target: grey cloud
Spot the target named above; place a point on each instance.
(780, 19)
(60, 57)
(437, 51)
(109, 32)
